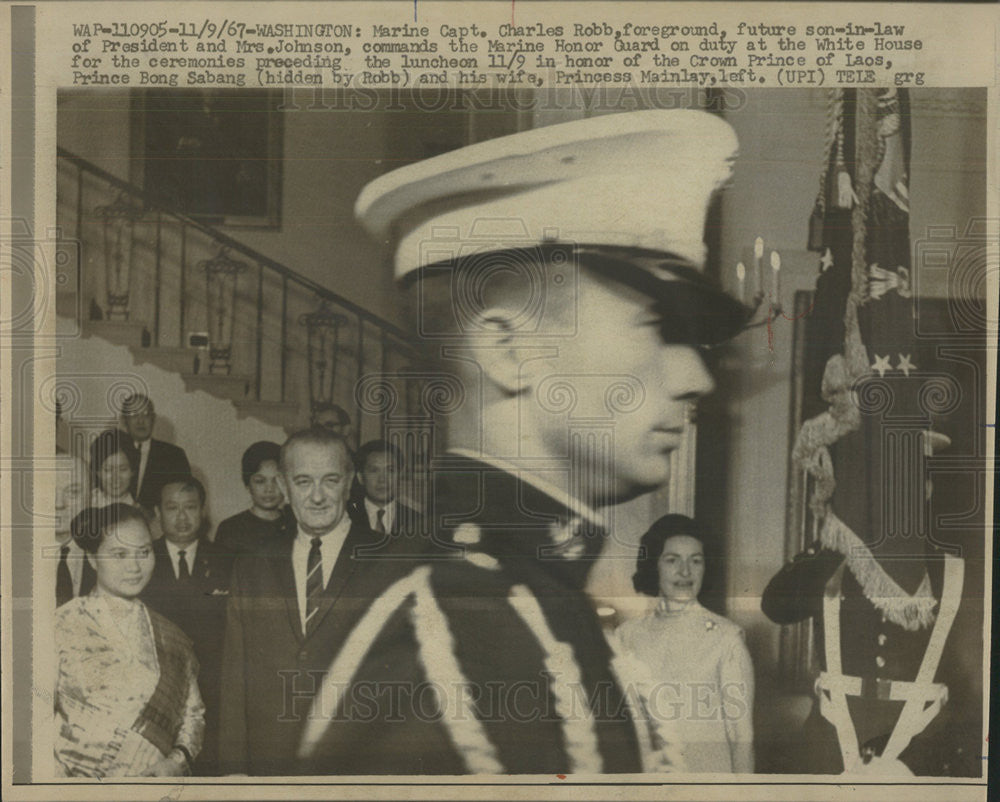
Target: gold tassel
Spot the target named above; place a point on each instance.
(910, 611)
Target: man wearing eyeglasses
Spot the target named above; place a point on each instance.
(157, 458)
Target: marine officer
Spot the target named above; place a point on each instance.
(556, 279)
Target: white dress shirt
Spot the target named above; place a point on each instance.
(331, 544)
(190, 551)
(387, 518)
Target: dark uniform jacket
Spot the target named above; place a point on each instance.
(876, 650)
(487, 658)
(198, 607)
(270, 668)
(165, 460)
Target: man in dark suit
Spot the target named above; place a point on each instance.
(379, 465)
(189, 586)
(333, 417)
(74, 574)
(157, 459)
(291, 605)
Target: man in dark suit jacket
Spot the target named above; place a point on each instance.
(189, 586)
(375, 503)
(291, 606)
(74, 574)
(157, 459)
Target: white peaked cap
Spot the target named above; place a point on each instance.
(637, 180)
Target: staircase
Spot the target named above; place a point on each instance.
(141, 276)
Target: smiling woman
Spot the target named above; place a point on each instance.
(690, 665)
(148, 721)
(114, 463)
(251, 530)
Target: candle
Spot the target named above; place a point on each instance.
(775, 277)
(741, 275)
(758, 254)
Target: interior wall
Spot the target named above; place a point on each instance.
(333, 145)
(329, 155)
(206, 427)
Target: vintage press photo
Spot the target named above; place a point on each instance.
(621, 425)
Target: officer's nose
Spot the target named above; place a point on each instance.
(689, 375)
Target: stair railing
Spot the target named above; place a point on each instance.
(167, 250)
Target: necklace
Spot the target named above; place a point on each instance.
(663, 607)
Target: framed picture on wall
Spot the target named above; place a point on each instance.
(213, 155)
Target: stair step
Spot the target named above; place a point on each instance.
(176, 359)
(120, 332)
(235, 387)
(285, 414)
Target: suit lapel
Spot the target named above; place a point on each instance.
(284, 576)
(202, 569)
(163, 569)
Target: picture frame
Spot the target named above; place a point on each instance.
(213, 155)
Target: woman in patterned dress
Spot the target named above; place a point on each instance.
(127, 702)
(692, 668)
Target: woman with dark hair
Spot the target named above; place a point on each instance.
(250, 530)
(114, 465)
(691, 666)
(126, 701)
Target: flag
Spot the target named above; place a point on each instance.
(866, 431)
(882, 401)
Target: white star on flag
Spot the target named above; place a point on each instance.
(905, 364)
(826, 260)
(881, 364)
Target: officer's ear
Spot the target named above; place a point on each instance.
(500, 353)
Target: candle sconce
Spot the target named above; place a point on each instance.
(118, 221)
(323, 346)
(221, 276)
(762, 290)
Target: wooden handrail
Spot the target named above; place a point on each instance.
(227, 241)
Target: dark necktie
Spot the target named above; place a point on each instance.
(183, 572)
(380, 522)
(64, 582)
(314, 583)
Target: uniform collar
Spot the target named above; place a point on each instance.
(575, 507)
